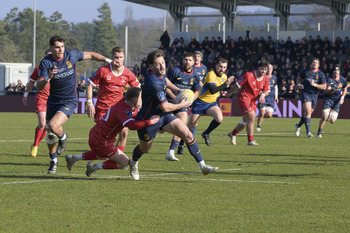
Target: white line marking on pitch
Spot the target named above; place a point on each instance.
(151, 176)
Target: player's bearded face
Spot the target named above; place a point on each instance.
(262, 71)
(158, 67)
(188, 62)
(221, 68)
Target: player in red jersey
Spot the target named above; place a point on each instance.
(252, 85)
(40, 107)
(103, 134)
(112, 79)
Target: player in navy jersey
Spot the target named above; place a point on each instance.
(201, 71)
(335, 94)
(309, 82)
(155, 103)
(184, 78)
(266, 108)
(59, 69)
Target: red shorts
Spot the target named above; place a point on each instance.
(247, 105)
(99, 114)
(101, 148)
(40, 105)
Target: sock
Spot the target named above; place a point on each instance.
(194, 150)
(63, 136)
(90, 155)
(38, 136)
(319, 131)
(122, 148)
(137, 154)
(182, 143)
(235, 132)
(213, 125)
(301, 122)
(42, 136)
(201, 164)
(307, 124)
(78, 157)
(53, 156)
(174, 144)
(109, 164)
(98, 166)
(259, 126)
(250, 138)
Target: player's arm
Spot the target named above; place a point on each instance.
(43, 81)
(342, 97)
(170, 94)
(169, 107)
(29, 87)
(90, 111)
(171, 86)
(96, 57)
(214, 89)
(276, 93)
(136, 125)
(196, 94)
(322, 86)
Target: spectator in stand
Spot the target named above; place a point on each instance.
(10, 89)
(165, 40)
(175, 42)
(194, 44)
(213, 44)
(137, 70)
(82, 85)
(205, 42)
(20, 87)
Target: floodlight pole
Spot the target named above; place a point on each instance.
(34, 33)
(126, 46)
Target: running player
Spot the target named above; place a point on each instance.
(252, 86)
(59, 69)
(155, 103)
(103, 134)
(201, 71)
(214, 82)
(40, 108)
(111, 79)
(336, 91)
(266, 109)
(309, 82)
(184, 78)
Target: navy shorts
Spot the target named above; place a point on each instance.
(307, 97)
(201, 107)
(331, 104)
(67, 108)
(269, 102)
(149, 133)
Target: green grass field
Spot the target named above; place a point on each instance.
(288, 184)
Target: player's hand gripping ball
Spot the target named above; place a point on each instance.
(188, 95)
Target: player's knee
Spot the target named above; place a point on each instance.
(242, 123)
(125, 132)
(50, 138)
(333, 117)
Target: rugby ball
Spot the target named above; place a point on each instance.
(187, 94)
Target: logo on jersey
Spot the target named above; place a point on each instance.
(128, 113)
(240, 79)
(222, 80)
(109, 77)
(203, 71)
(66, 108)
(69, 64)
(161, 96)
(191, 83)
(316, 76)
(178, 78)
(146, 137)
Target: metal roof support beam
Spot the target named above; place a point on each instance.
(283, 11)
(229, 11)
(178, 12)
(340, 11)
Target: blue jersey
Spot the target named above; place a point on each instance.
(63, 84)
(307, 75)
(184, 80)
(273, 83)
(201, 71)
(153, 94)
(333, 84)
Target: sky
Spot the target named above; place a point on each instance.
(84, 10)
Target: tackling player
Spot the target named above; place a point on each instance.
(40, 108)
(266, 109)
(336, 91)
(201, 71)
(183, 78)
(155, 103)
(103, 134)
(58, 69)
(111, 79)
(215, 81)
(252, 86)
(309, 82)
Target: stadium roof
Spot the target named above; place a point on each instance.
(217, 4)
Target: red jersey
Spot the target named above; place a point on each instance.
(251, 87)
(111, 86)
(43, 94)
(112, 123)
